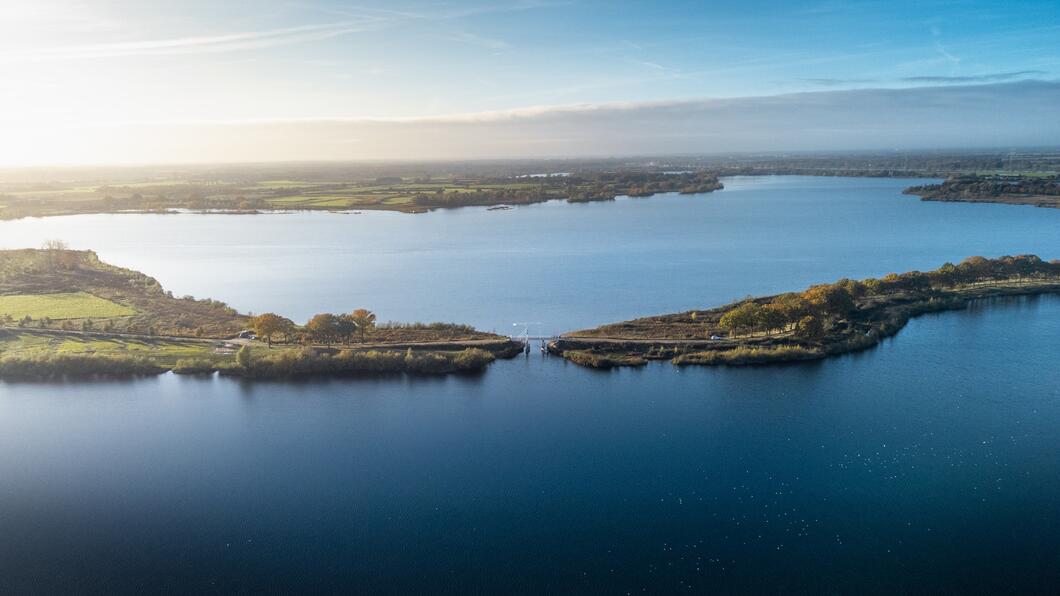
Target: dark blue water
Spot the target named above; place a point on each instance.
(565, 266)
(928, 465)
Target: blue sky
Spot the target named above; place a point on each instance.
(109, 65)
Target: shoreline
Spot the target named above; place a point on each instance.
(404, 196)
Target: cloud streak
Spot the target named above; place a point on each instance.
(231, 42)
(983, 78)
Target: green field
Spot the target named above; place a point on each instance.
(75, 305)
(31, 342)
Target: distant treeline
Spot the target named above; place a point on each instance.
(576, 188)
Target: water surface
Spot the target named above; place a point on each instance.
(927, 465)
(565, 266)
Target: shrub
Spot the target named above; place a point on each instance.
(48, 366)
(243, 357)
(194, 366)
(744, 356)
(309, 362)
(472, 359)
(603, 360)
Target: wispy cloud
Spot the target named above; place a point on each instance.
(440, 12)
(941, 50)
(232, 42)
(983, 78)
(656, 67)
(825, 82)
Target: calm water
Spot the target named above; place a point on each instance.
(565, 266)
(926, 465)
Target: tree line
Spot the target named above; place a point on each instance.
(808, 313)
(989, 186)
(323, 328)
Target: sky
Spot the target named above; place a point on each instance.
(151, 81)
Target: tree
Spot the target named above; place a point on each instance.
(792, 305)
(346, 328)
(947, 275)
(830, 299)
(810, 328)
(268, 324)
(915, 281)
(323, 328)
(873, 286)
(365, 321)
(1026, 266)
(974, 269)
(744, 316)
(771, 317)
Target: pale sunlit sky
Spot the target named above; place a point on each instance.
(108, 81)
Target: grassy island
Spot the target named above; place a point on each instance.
(65, 313)
(1039, 191)
(824, 320)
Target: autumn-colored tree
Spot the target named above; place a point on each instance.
(946, 276)
(744, 316)
(771, 317)
(830, 299)
(365, 321)
(974, 269)
(269, 324)
(792, 305)
(323, 328)
(810, 328)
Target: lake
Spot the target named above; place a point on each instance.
(928, 464)
(564, 266)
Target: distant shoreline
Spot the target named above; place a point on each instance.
(1037, 191)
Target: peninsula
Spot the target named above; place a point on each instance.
(824, 320)
(65, 313)
(1039, 191)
